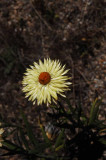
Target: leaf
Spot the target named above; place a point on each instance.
(31, 136)
(23, 138)
(48, 142)
(59, 139)
(59, 147)
(100, 125)
(84, 120)
(53, 106)
(94, 111)
(11, 146)
(102, 140)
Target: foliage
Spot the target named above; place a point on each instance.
(77, 135)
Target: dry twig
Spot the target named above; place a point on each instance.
(40, 17)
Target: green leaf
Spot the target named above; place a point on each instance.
(59, 147)
(102, 140)
(59, 139)
(48, 142)
(100, 125)
(11, 146)
(53, 106)
(94, 111)
(30, 134)
(84, 120)
(23, 138)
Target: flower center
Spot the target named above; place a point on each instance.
(44, 78)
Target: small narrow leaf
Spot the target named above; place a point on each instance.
(31, 136)
(11, 146)
(59, 147)
(102, 140)
(94, 111)
(59, 140)
(23, 138)
(44, 135)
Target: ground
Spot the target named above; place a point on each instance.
(68, 30)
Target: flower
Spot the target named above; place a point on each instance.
(1, 132)
(43, 81)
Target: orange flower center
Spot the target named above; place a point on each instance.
(44, 78)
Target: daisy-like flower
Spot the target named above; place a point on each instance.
(1, 132)
(44, 81)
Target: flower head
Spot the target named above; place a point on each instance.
(44, 81)
(1, 132)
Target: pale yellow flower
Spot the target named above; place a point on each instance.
(44, 81)
(1, 132)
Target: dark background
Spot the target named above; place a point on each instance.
(72, 31)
